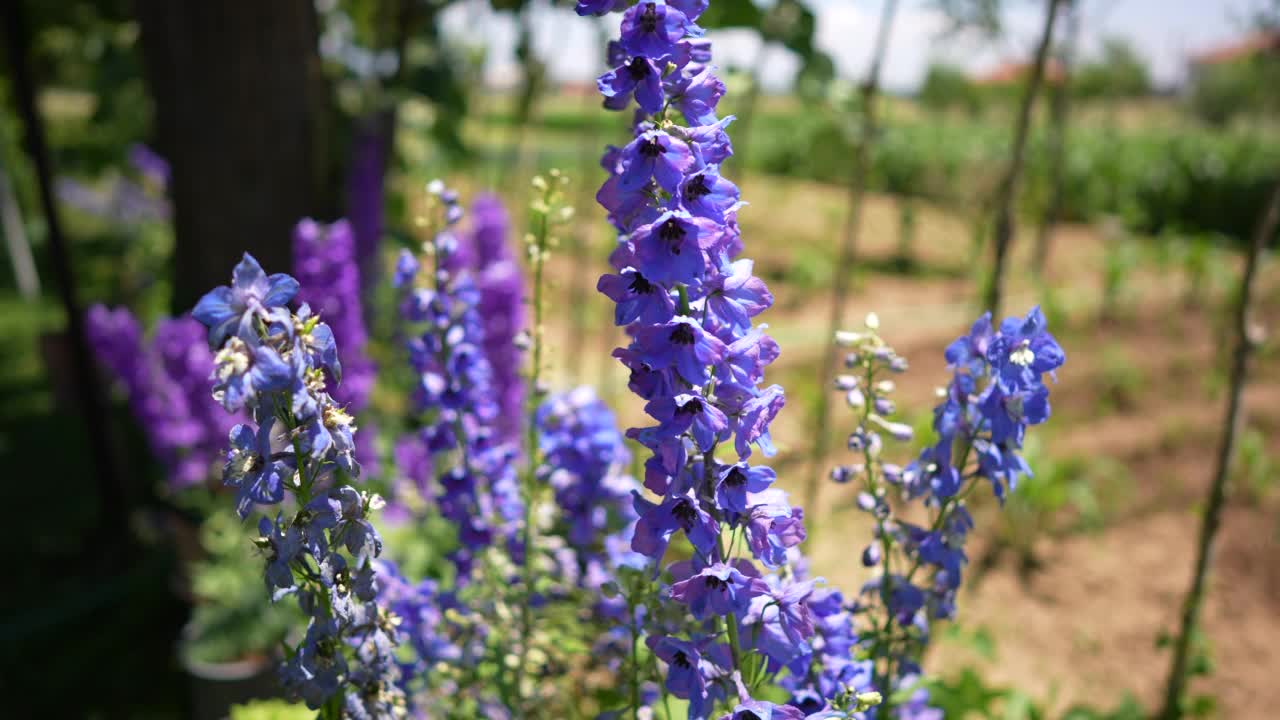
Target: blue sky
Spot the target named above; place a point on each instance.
(1163, 31)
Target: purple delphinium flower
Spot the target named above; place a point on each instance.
(326, 267)
(366, 190)
(166, 380)
(456, 404)
(252, 295)
(762, 710)
(651, 29)
(274, 362)
(500, 284)
(689, 304)
(124, 200)
(718, 590)
(149, 165)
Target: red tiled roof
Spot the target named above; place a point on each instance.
(1009, 73)
(1245, 47)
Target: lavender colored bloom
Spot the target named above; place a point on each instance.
(324, 262)
(679, 512)
(252, 294)
(680, 344)
(636, 298)
(739, 481)
(689, 303)
(654, 155)
(252, 466)
(705, 194)
(456, 402)
(684, 677)
(718, 590)
(782, 622)
(670, 249)
(274, 363)
(651, 28)
(689, 412)
(761, 710)
(150, 165)
(166, 382)
(696, 96)
(995, 393)
(639, 76)
(501, 307)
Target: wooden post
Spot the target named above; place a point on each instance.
(1008, 189)
(843, 271)
(1212, 519)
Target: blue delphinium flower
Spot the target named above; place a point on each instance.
(325, 263)
(277, 364)
(501, 306)
(457, 404)
(252, 295)
(995, 393)
(689, 303)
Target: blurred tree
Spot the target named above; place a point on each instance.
(1243, 80)
(1008, 189)
(971, 16)
(379, 54)
(1058, 122)
(946, 87)
(1120, 72)
(238, 93)
(788, 23)
(1223, 91)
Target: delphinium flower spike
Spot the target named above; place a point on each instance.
(995, 393)
(295, 456)
(166, 380)
(500, 283)
(325, 265)
(697, 359)
(453, 402)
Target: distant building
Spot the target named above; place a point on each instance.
(1013, 73)
(1245, 48)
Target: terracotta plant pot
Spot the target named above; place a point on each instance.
(215, 687)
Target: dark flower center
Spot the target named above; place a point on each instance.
(686, 513)
(682, 335)
(691, 407)
(681, 660)
(649, 18)
(736, 478)
(639, 285)
(715, 583)
(638, 69)
(697, 188)
(650, 149)
(672, 233)
(257, 463)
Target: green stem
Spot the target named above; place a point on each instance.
(731, 622)
(635, 657)
(528, 486)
